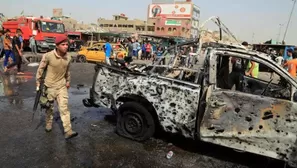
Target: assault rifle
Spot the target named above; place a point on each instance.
(39, 93)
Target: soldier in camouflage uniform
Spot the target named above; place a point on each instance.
(57, 81)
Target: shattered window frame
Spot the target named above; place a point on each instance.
(247, 57)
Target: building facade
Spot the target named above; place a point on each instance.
(179, 19)
(121, 23)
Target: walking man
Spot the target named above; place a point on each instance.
(148, 49)
(24, 59)
(57, 81)
(33, 45)
(1, 44)
(108, 51)
(16, 49)
(7, 48)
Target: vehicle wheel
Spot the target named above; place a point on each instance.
(81, 58)
(135, 122)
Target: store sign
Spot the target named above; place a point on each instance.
(173, 23)
(170, 10)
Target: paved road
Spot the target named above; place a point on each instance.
(25, 144)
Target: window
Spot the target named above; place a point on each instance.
(232, 74)
(52, 27)
(169, 29)
(158, 28)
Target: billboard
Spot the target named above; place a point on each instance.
(170, 10)
(162, 1)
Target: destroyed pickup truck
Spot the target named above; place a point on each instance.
(258, 115)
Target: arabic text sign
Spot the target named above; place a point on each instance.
(170, 10)
(173, 22)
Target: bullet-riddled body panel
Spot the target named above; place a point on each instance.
(176, 103)
(252, 123)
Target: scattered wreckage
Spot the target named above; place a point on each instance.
(258, 116)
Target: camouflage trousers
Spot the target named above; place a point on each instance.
(61, 96)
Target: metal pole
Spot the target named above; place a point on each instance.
(289, 20)
(279, 32)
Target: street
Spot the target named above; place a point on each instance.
(24, 143)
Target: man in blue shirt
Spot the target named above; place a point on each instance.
(159, 57)
(108, 51)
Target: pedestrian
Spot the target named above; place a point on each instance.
(236, 74)
(291, 64)
(108, 52)
(1, 44)
(24, 59)
(56, 63)
(129, 57)
(33, 47)
(134, 44)
(148, 49)
(7, 49)
(143, 51)
(16, 50)
(21, 40)
(294, 53)
(138, 49)
(159, 59)
(252, 68)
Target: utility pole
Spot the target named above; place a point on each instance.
(289, 20)
(253, 38)
(279, 32)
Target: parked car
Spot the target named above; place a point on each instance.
(96, 53)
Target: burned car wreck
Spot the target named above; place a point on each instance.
(257, 115)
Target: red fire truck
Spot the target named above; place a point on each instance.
(45, 30)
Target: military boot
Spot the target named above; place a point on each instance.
(70, 134)
(48, 127)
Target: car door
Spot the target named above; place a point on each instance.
(259, 124)
(90, 54)
(96, 54)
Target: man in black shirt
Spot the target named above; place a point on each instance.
(295, 53)
(128, 59)
(16, 49)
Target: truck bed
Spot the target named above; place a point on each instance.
(174, 100)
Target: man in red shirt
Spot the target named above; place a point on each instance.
(148, 49)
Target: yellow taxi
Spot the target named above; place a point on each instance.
(95, 53)
(89, 44)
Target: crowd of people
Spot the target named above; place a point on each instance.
(12, 50)
(145, 50)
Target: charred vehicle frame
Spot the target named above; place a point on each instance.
(198, 103)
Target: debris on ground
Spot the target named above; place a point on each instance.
(169, 155)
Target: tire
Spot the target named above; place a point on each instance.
(135, 122)
(81, 58)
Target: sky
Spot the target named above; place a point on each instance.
(249, 20)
